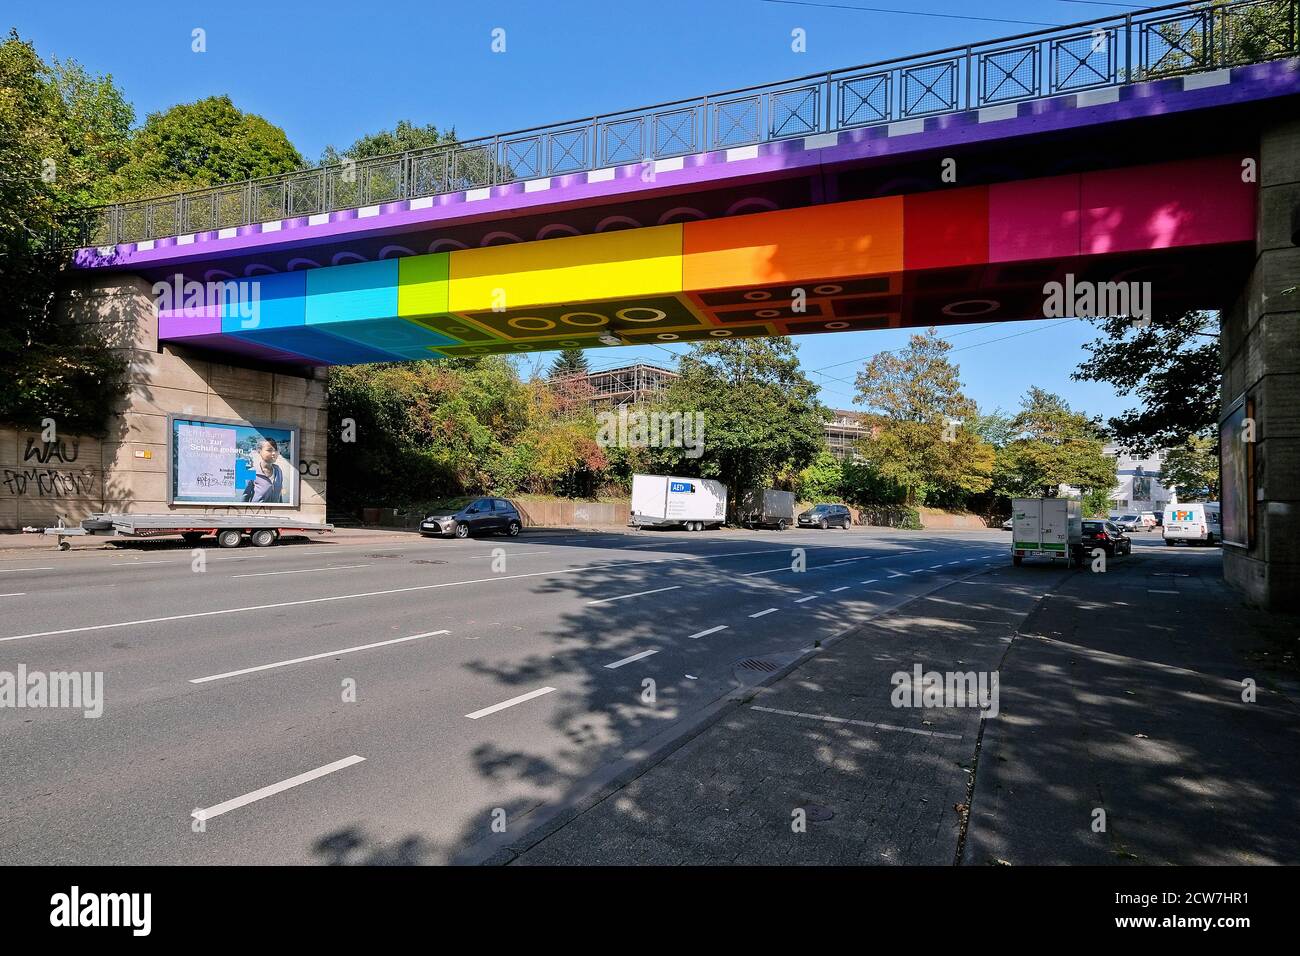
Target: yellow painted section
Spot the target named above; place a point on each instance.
(422, 285)
(611, 265)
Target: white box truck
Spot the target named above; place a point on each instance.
(662, 501)
(1195, 523)
(1046, 528)
(767, 508)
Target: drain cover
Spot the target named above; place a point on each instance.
(756, 664)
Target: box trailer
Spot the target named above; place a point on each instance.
(1046, 528)
(767, 508)
(662, 501)
(1195, 523)
(230, 530)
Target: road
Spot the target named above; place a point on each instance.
(491, 677)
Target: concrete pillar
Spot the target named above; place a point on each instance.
(1260, 344)
(125, 470)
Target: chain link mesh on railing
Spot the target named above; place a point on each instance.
(1171, 40)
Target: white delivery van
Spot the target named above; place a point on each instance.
(660, 501)
(1199, 523)
(1046, 528)
(768, 508)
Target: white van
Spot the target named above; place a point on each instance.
(1198, 523)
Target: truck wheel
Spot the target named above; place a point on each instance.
(230, 538)
(263, 538)
(191, 537)
(780, 525)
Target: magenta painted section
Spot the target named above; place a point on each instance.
(1128, 210)
(774, 161)
(183, 323)
(235, 345)
(1034, 219)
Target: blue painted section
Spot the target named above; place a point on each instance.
(352, 293)
(280, 303)
(318, 344)
(391, 334)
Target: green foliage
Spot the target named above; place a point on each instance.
(402, 137)
(1053, 446)
(1096, 503)
(761, 413)
(1192, 468)
(822, 480)
(203, 143)
(56, 125)
(921, 439)
(570, 361)
(1172, 366)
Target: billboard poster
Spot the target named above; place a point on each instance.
(217, 462)
(1236, 479)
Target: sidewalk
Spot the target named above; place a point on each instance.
(1111, 696)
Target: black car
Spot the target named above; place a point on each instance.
(465, 516)
(1106, 535)
(826, 516)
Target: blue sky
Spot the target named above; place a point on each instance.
(328, 72)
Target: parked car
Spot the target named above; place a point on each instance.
(465, 516)
(826, 516)
(1105, 535)
(1128, 522)
(1008, 524)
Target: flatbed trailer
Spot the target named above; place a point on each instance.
(229, 530)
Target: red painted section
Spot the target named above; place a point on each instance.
(946, 228)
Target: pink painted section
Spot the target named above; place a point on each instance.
(183, 323)
(1191, 203)
(1034, 219)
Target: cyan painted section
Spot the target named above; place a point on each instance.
(352, 293)
(266, 302)
(393, 335)
(317, 344)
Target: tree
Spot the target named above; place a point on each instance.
(203, 143)
(1172, 365)
(760, 412)
(570, 361)
(1192, 468)
(919, 418)
(57, 127)
(1054, 446)
(402, 137)
(821, 480)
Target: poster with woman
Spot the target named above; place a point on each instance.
(215, 462)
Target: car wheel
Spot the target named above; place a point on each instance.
(822, 524)
(263, 538)
(230, 538)
(513, 528)
(462, 530)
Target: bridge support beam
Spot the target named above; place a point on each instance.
(1260, 348)
(126, 468)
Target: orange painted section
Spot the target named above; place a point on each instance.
(859, 238)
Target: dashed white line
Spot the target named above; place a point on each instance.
(273, 789)
(629, 660)
(20, 570)
(838, 590)
(870, 581)
(713, 630)
(128, 564)
(510, 703)
(898, 574)
(762, 613)
(313, 657)
(14, 594)
(262, 574)
(811, 597)
(623, 597)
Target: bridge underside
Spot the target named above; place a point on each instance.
(978, 253)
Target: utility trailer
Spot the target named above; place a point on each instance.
(660, 501)
(230, 530)
(767, 508)
(1047, 528)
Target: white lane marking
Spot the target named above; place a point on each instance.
(811, 597)
(712, 630)
(870, 581)
(898, 574)
(629, 660)
(970, 559)
(951, 563)
(366, 594)
(934, 567)
(860, 723)
(20, 570)
(761, 613)
(838, 590)
(890, 554)
(275, 788)
(128, 564)
(14, 594)
(510, 703)
(623, 597)
(750, 574)
(262, 574)
(313, 657)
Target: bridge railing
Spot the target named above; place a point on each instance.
(1170, 40)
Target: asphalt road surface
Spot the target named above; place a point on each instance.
(326, 701)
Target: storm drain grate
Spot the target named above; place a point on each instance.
(756, 664)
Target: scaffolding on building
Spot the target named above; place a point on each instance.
(627, 385)
(843, 431)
